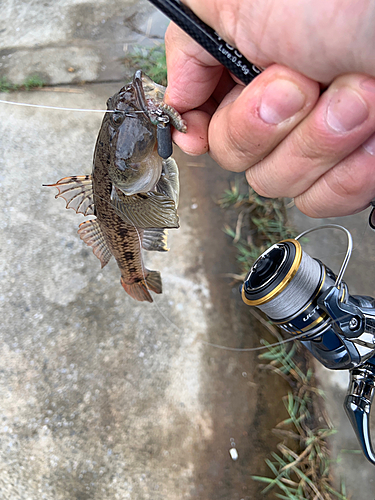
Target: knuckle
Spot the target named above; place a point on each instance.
(229, 143)
(351, 177)
(314, 144)
(241, 143)
(308, 205)
(255, 181)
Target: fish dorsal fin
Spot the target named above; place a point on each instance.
(168, 183)
(155, 240)
(145, 210)
(78, 193)
(90, 232)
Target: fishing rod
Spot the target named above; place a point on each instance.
(211, 41)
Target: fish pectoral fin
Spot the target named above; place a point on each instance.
(168, 183)
(145, 210)
(91, 233)
(78, 193)
(155, 240)
(140, 290)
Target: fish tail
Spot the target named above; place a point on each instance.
(140, 290)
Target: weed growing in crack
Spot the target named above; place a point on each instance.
(261, 222)
(301, 467)
(30, 83)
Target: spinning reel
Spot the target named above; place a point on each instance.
(303, 296)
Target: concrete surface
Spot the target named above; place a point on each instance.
(103, 397)
(73, 41)
(330, 246)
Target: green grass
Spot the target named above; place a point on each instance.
(5, 85)
(261, 222)
(150, 60)
(30, 83)
(33, 82)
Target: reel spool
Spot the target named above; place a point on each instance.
(284, 283)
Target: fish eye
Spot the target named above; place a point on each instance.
(117, 118)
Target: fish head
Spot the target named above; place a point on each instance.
(134, 164)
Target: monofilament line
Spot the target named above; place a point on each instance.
(54, 107)
(64, 109)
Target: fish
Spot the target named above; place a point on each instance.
(132, 192)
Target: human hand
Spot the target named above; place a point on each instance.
(290, 141)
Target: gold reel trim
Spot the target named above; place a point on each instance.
(281, 286)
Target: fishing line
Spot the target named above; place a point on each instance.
(284, 341)
(42, 106)
(217, 346)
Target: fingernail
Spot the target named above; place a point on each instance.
(369, 145)
(281, 100)
(346, 110)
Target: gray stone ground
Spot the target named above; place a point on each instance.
(73, 41)
(102, 397)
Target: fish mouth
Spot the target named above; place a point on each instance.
(131, 98)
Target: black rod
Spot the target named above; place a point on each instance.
(227, 55)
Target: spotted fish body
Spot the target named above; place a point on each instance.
(132, 191)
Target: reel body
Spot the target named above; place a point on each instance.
(305, 298)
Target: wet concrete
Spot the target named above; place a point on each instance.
(101, 396)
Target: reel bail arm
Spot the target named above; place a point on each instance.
(349, 318)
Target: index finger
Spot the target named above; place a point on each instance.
(193, 73)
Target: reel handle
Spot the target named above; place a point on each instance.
(358, 405)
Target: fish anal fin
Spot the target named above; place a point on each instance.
(153, 281)
(91, 233)
(155, 240)
(140, 290)
(78, 193)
